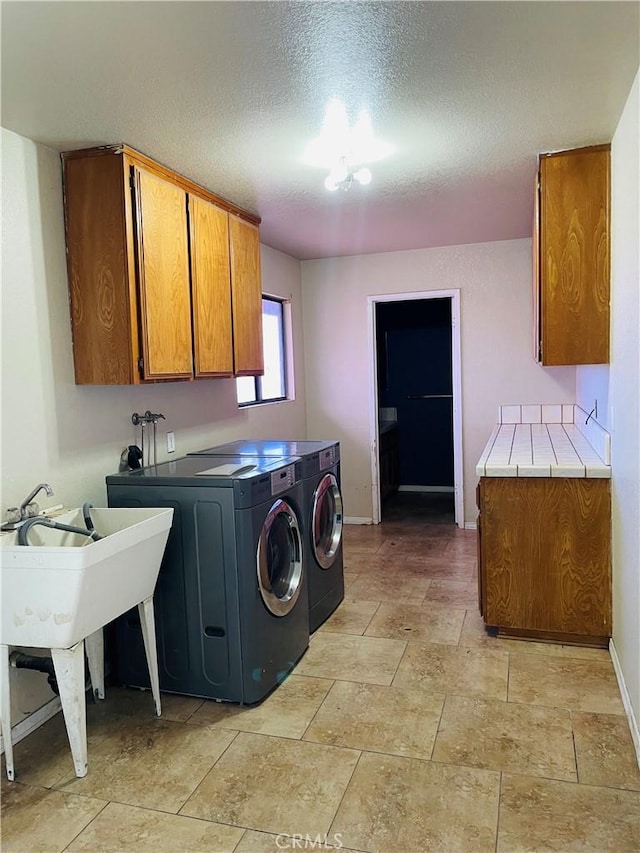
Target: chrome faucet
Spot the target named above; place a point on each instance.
(40, 487)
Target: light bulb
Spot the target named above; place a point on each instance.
(363, 176)
(340, 172)
(330, 183)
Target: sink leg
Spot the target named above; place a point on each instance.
(147, 622)
(5, 710)
(69, 667)
(94, 647)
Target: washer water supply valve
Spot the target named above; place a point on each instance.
(143, 421)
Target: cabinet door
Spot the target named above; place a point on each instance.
(103, 318)
(163, 271)
(210, 288)
(574, 256)
(246, 296)
(546, 554)
(535, 262)
(480, 567)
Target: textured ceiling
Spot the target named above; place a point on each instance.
(230, 94)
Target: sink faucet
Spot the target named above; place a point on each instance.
(40, 487)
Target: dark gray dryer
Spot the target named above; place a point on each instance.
(322, 513)
(231, 600)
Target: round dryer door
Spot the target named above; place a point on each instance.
(326, 521)
(279, 559)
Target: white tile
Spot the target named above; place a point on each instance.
(599, 471)
(567, 414)
(505, 435)
(569, 463)
(568, 471)
(552, 414)
(542, 448)
(595, 434)
(531, 414)
(589, 456)
(501, 470)
(480, 467)
(521, 448)
(534, 470)
(510, 415)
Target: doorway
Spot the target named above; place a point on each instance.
(416, 418)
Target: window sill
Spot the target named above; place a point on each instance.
(266, 403)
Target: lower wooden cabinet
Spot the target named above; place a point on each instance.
(544, 557)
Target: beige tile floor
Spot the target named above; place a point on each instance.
(406, 728)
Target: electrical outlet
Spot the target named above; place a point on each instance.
(171, 442)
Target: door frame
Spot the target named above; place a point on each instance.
(456, 378)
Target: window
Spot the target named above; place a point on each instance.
(272, 385)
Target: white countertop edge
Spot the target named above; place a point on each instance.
(501, 471)
(569, 471)
(599, 472)
(534, 470)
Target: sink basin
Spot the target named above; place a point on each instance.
(63, 587)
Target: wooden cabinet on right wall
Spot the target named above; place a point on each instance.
(571, 257)
(544, 558)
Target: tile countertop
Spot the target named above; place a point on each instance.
(546, 441)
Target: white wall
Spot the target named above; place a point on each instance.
(497, 364)
(72, 436)
(624, 394)
(592, 387)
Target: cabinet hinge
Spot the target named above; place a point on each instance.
(132, 180)
(141, 364)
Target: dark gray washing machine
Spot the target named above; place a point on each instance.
(321, 516)
(232, 617)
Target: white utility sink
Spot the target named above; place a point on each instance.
(62, 588)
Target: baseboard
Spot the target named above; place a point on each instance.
(33, 721)
(357, 519)
(470, 525)
(626, 699)
(444, 490)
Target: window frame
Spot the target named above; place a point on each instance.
(260, 400)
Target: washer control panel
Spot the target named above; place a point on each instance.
(283, 479)
(327, 458)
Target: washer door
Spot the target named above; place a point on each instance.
(279, 559)
(326, 521)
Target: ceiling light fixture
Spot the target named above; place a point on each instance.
(342, 176)
(341, 148)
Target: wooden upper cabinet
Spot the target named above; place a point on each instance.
(246, 296)
(157, 264)
(103, 328)
(211, 288)
(164, 285)
(571, 252)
